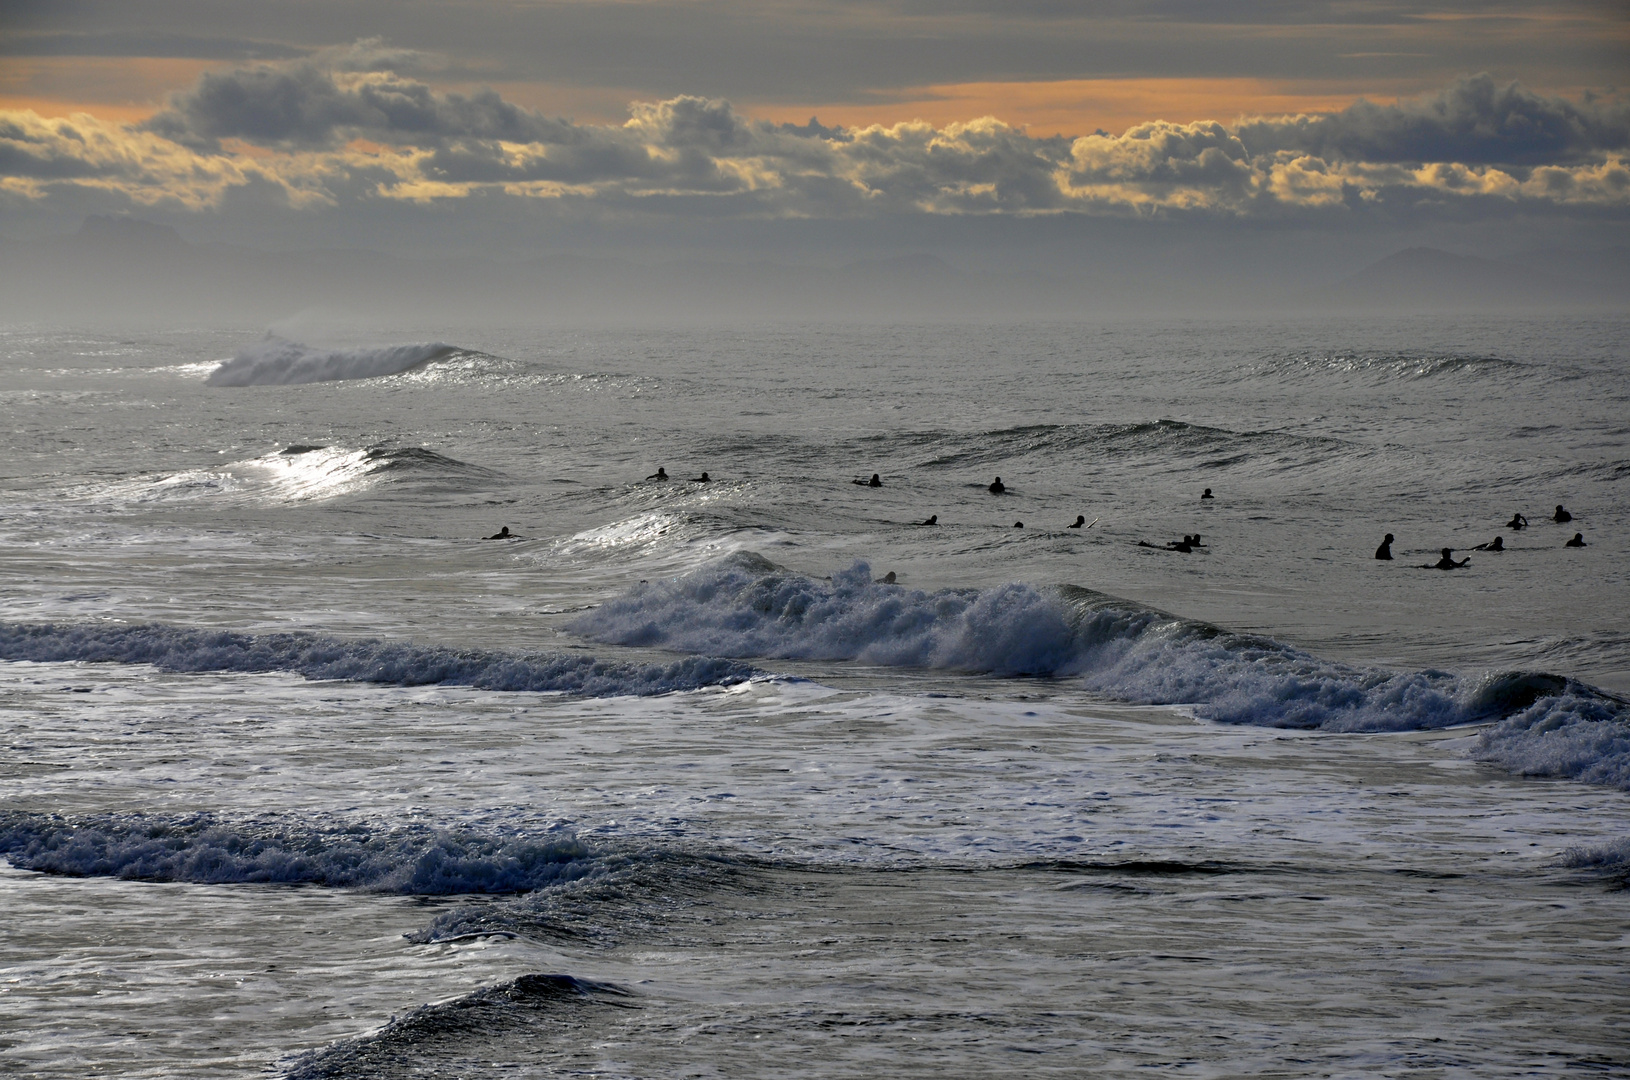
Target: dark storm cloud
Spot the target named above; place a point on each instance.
(1476, 121)
(310, 103)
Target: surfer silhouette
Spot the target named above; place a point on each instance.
(660, 474)
(1080, 520)
(886, 579)
(933, 519)
(1206, 494)
(1018, 524)
(703, 479)
(1561, 516)
(875, 481)
(1577, 541)
(1497, 544)
(1384, 552)
(1517, 522)
(997, 487)
(1447, 561)
(501, 534)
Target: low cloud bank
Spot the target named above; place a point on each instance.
(348, 126)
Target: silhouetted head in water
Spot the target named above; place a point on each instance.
(1561, 515)
(875, 481)
(1385, 550)
(1080, 520)
(1018, 524)
(1447, 561)
(660, 474)
(1577, 541)
(1497, 544)
(997, 487)
(886, 579)
(703, 479)
(1206, 494)
(1517, 522)
(501, 534)
(933, 519)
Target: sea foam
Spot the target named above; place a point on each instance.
(277, 362)
(744, 606)
(316, 656)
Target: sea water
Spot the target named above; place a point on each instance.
(303, 777)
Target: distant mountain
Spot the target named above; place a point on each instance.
(129, 234)
(1426, 279)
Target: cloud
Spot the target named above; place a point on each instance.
(346, 125)
(1476, 121)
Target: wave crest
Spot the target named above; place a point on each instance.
(746, 606)
(199, 849)
(278, 362)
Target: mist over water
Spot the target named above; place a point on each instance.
(673, 779)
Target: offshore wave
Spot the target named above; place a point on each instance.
(1160, 440)
(1388, 367)
(745, 606)
(316, 656)
(298, 473)
(275, 361)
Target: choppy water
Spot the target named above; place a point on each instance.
(301, 776)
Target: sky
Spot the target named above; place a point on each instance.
(992, 129)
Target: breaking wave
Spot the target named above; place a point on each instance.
(359, 660)
(278, 362)
(745, 606)
(552, 886)
(414, 860)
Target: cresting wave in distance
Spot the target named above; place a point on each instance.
(277, 362)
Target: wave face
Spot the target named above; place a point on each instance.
(442, 1039)
(358, 660)
(744, 606)
(277, 362)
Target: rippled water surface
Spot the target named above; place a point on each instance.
(302, 777)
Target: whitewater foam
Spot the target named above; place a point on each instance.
(278, 362)
(359, 660)
(745, 606)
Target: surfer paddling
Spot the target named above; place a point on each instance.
(1446, 561)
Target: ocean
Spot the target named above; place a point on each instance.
(306, 777)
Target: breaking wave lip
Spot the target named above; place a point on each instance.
(316, 656)
(276, 361)
(746, 606)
